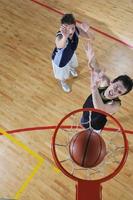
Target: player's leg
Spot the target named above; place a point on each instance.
(74, 65)
(62, 74)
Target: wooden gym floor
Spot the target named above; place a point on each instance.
(31, 97)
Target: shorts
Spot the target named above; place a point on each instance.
(87, 126)
(63, 73)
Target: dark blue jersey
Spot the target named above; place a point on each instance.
(61, 56)
(98, 120)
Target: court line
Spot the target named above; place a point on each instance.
(32, 153)
(53, 127)
(27, 181)
(93, 28)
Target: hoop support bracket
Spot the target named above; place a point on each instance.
(88, 191)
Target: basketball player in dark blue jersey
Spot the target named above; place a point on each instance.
(64, 59)
(105, 93)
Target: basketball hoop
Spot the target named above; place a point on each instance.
(89, 179)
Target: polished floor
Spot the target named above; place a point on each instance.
(31, 97)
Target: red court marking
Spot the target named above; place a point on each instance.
(95, 29)
(53, 127)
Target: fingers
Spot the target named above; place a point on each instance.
(89, 51)
(101, 74)
(85, 26)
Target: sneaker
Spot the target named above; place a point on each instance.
(74, 73)
(65, 87)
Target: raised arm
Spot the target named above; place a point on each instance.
(62, 37)
(93, 64)
(84, 31)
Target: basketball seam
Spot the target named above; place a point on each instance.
(71, 153)
(99, 152)
(86, 148)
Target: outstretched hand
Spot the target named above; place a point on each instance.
(99, 79)
(85, 27)
(87, 30)
(89, 51)
(92, 62)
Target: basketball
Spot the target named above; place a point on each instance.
(87, 149)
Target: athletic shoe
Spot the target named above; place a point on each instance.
(65, 87)
(74, 73)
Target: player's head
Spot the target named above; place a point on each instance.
(69, 20)
(126, 81)
(119, 86)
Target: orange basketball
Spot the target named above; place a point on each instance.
(87, 148)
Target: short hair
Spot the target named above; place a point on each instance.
(127, 82)
(68, 19)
